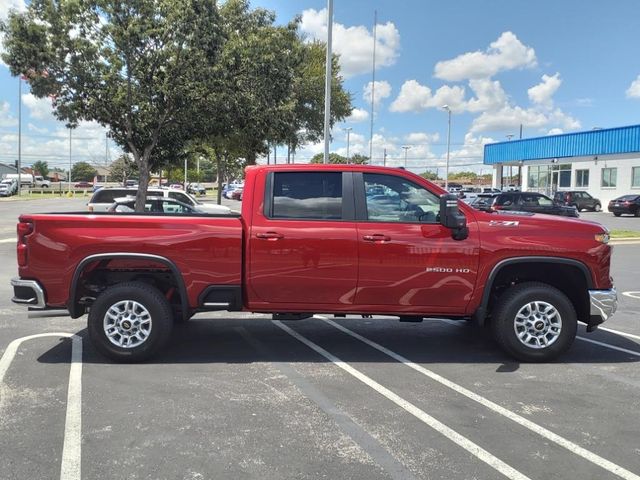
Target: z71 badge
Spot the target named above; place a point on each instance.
(504, 223)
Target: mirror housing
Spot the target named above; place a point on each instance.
(450, 217)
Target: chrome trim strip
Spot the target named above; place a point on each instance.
(216, 304)
(34, 302)
(603, 303)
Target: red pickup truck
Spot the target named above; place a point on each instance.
(336, 239)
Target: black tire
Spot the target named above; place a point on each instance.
(515, 299)
(159, 324)
(617, 214)
(597, 207)
(637, 212)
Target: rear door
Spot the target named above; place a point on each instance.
(303, 242)
(408, 261)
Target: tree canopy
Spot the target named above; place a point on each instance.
(335, 158)
(161, 74)
(40, 168)
(83, 172)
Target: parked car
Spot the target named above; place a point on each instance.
(237, 193)
(8, 187)
(531, 202)
(153, 204)
(228, 189)
(176, 186)
(482, 201)
(102, 199)
(626, 204)
(196, 189)
(579, 199)
(83, 185)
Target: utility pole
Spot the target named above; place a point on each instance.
(384, 157)
(446, 173)
(70, 156)
(19, 135)
(373, 83)
(405, 148)
(327, 81)
(348, 141)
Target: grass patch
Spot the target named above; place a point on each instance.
(624, 234)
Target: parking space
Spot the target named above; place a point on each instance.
(241, 396)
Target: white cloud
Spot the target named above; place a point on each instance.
(382, 90)
(414, 97)
(358, 115)
(6, 119)
(422, 137)
(354, 44)
(542, 94)
(489, 95)
(511, 117)
(39, 108)
(555, 131)
(506, 53)
(634, 89)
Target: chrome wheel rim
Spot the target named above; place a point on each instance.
(538, 325)
(127, 324)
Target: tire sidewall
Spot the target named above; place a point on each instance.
(513, 301)
(148, 296)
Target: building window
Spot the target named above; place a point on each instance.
(609, 177)
(635, 177)
(582, 178)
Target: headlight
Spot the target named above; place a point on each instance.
(602, 237)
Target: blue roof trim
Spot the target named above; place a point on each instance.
(579, 144)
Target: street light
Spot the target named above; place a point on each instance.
(348, 129)
(446, 173)
(405, 148)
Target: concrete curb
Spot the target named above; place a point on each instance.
(625, 241)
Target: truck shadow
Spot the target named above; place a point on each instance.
(229, 340)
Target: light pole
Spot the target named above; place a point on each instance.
(405, 148)
(185, 174)
(327, 82)
(348, 141)
(446, 172)
(19, 169)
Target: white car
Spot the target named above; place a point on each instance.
(102, 199)
(8, 188)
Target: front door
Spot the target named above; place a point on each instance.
(302, 245)
(408, 261)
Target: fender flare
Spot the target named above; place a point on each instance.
(481, 312)
(75, 312)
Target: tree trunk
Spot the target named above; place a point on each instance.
(143, 182)
(251, 158)
(219, 169)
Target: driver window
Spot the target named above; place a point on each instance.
(394, 199)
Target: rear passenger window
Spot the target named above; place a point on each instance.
(109, 195)
(307, 195)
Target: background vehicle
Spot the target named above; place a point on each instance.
(228, 189)
(483, 201)
(413, 251)
(626, 204)
(103, 198)
(579, 199)
(8, 187)
(531, 202)
(237, 193)
(196, 189)
(28, 179)
(154, 205)
(83, 185)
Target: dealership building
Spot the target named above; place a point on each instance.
(603, 162)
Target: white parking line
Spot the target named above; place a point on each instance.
(8, 240)
(543, 432)
(618, 332)
(635, 295)
(421, 415)
(71, 450)
(606, 345)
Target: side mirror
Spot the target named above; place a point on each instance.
(451, 217)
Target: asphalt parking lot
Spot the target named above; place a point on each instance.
(238, 396)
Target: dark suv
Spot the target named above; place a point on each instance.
(579, 199)
(531, 202)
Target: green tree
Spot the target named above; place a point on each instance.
(40, 168)
(83, 172)
(335, 158)
(358, 158)
(430, 176)
(123, 168)
(140, 68)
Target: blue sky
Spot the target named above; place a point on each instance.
(552, 66)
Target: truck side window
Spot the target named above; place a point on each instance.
(307, 195)
(394, 199)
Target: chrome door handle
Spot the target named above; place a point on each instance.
(270, 236)
(377, 237)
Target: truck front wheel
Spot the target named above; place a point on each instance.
(130, 322)
(534, 322)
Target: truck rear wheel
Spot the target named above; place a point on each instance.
(534, 322)
(130, 322)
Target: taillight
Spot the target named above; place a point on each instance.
(24, 229)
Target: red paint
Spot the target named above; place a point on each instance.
(309, 265)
